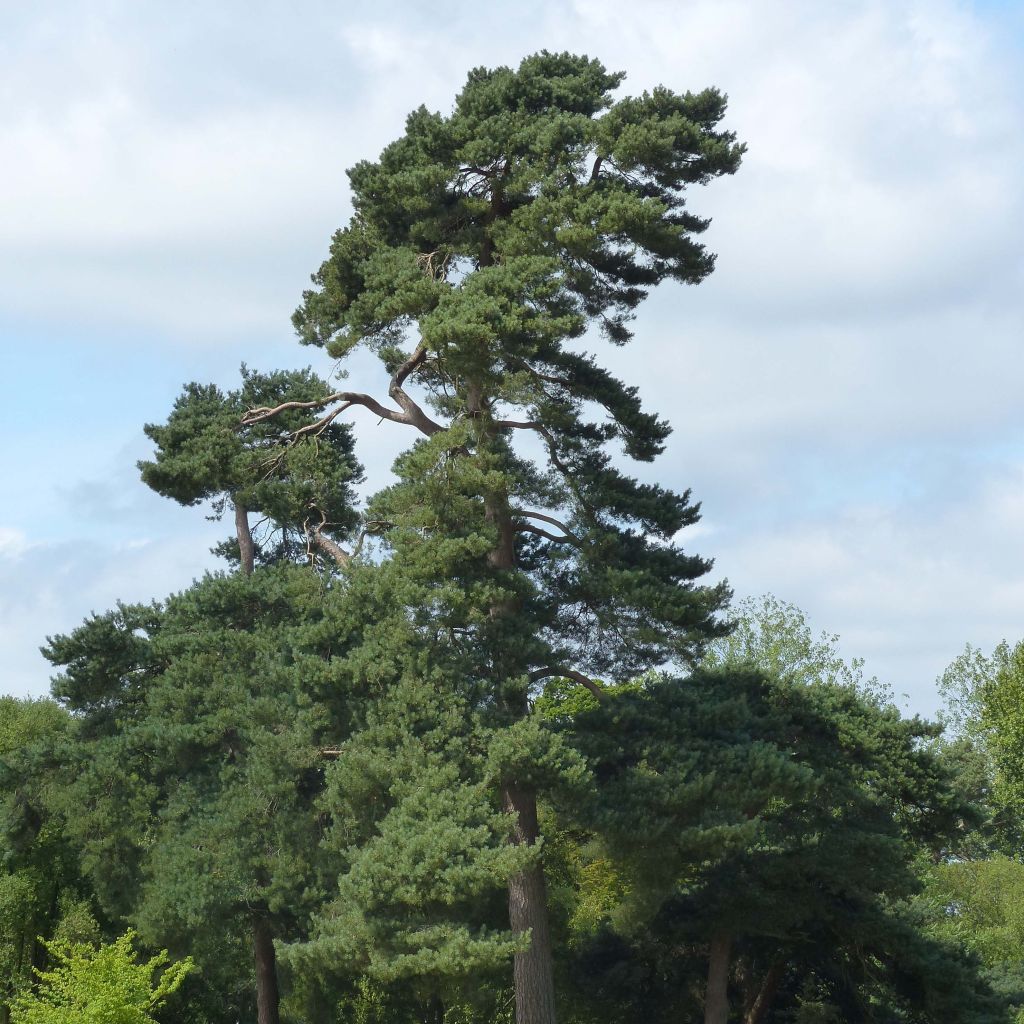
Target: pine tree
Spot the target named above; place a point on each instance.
(201, 722)
(484, 246)
(303, 490)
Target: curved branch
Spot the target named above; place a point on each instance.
(568, 673)
(321, 424)
(414, 418)
(413, 413)
(529, 513)
(315, 536)
(332, 548)
(539, 532)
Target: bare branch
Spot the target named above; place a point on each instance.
(332, 548)
(348, 398)
(530, 513)
(321, 424)
(416, 359)
(519, 424)
(316, 537)
(540, 532)
(413, 413)
(568, 673)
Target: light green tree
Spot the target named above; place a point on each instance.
(105, 985)
(774, 636)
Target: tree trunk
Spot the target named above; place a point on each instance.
(716, 1000)
(528, 911)
(533, 969)
(267, 996)
(758, 1009)
(246, 547)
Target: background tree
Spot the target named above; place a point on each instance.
(803, 892)
(483, 245)
(105, 985)
(200, 723)
(774, 637)
(43, 894)
(302, 491)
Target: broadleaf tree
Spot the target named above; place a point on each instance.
(486, 247)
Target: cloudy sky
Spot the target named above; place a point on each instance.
(846, 388)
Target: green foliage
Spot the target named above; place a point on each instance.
(496, 235)
(214, 821)
(980, 904)
(107, 985)
(1001, 700)
(354, 763)
(42, 892)
(302, 487)
(774, 636)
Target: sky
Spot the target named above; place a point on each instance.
(845, 388)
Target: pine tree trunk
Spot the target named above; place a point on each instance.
(716, 1000)
(533, 969)
(435, 1011)
(246, 547)
(528, 911)
(758, 1009)
(267, 996)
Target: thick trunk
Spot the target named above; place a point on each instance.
(267, 996)
(246, 547)
(759, 1007)
(716, 1000)
(528, 911)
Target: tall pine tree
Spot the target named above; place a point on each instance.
(484, 246)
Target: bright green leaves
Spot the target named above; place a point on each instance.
(1002, 718)
(101, 986)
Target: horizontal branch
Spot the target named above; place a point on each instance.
(518, 424)
(347, 398)
(548, 671)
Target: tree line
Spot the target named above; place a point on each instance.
(491, 748)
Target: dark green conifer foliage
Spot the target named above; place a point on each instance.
(776, 828)
(485, 244)
(193, 781)
(303, 490)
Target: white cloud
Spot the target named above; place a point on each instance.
(895, 579)
(838, 386)
(12, 542)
